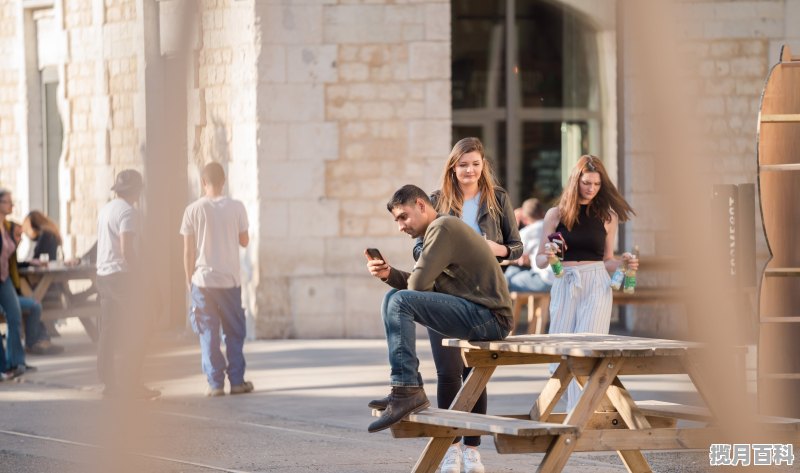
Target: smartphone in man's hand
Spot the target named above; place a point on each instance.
(373, 254)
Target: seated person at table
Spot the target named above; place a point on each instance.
(522, 276)
(44, 235)
(456, 288)
(37, 339)
(522, 214)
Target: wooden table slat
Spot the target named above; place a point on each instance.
(488, 423)
(580, 345)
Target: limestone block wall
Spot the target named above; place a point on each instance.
(353, 102)
(9, 95)
(734, 44)
(102, 109)
(221, 116)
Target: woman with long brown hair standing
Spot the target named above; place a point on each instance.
(587, 216)
(468, 191)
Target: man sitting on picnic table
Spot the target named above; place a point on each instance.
(456, 288)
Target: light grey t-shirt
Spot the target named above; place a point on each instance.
(216, 224)
(116, 217)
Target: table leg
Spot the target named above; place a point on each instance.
(552, 392)
(91, 328)
(694, 369)
(25, 287)
(41, 289)
(465, 400)
(635, 419)
(602, 375)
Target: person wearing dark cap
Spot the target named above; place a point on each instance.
(120, 348)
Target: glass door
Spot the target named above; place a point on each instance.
(525, 81)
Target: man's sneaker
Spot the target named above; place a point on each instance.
(215, 392)
(4, 376)
(472, 461)
(246, 387)
(404, 401)
(451, 463)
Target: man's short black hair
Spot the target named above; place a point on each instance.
(407, 195)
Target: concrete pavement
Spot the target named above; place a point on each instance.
(308, 413)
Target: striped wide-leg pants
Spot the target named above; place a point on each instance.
(580, 302)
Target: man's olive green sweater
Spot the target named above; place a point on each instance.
(456, 260)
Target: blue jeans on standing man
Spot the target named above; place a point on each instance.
(449, 315)
(15, 355)
(211, 309)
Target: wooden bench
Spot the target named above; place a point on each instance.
(538, 303)
(702, 414)
(434, 422)
(678, 411)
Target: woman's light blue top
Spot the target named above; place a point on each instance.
(469, 212)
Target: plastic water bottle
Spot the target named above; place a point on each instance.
(629, 284)
(555, 263)
(618, 277)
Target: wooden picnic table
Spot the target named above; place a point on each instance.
(36, 280)
(605, 417)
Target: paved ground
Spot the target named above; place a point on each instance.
(308, 414)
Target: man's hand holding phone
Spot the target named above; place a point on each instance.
(376, 265)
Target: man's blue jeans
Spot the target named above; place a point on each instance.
(451, 316)
(15, 355)
(212, 308)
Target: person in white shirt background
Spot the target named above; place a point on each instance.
(213, 229)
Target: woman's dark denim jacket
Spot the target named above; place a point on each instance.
(504, 231)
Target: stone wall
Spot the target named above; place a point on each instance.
(733, 44)
(102, 104)
(354, 101)
(10, 105)
(730, 46)
(222, 117)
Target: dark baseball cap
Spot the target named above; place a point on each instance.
(128, 180)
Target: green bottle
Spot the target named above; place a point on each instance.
(555, 264)
(629, 284)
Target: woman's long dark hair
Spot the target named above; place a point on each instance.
(607, 200)
(41, 223)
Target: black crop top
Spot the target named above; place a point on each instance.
(587, 240)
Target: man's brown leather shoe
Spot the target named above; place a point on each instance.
(402, 402)
(380, 404)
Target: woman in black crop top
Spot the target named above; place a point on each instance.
(587, 215)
